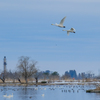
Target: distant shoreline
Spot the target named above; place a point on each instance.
(55, 83)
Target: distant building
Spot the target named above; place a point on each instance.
(79, 76)
(67, 73)
(71, 74)
(5, 63)
(83, 75)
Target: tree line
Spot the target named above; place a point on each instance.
(26, 68)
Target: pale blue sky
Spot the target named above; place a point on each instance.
(25, 30)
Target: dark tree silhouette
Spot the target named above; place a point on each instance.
(26, 67)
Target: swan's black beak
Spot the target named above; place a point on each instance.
(63, 26)
(74, 32)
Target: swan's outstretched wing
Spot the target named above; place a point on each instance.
(62, 21)
(72, 29)
(68, 33)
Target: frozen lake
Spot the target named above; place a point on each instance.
(53, 92)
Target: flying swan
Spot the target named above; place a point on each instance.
(61, 23)
(72, 30)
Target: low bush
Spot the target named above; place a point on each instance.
(43, 82)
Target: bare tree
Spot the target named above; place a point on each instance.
(26, 67)
(90, 74)
(46, 75)
(36, 76)
(16, 76)
(65, 77)
(55, 75)
(2, 77)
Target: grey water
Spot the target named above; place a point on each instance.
(53, 92)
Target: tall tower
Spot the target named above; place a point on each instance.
(5, 66)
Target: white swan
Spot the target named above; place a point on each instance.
(72, 30)
(42, 95)
(61, 23)
(5, 95)
(10, 96)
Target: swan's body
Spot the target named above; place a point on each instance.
(72, 30)
(42, 95)
(9, 96)
(4, 95)
(61, 23)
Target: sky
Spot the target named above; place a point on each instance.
(26, 30)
